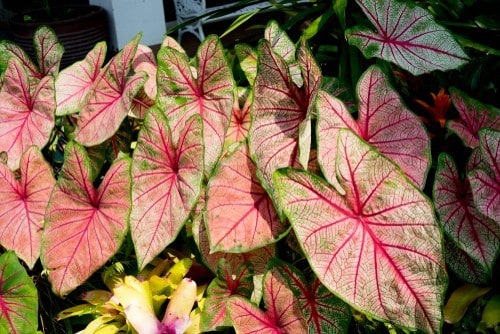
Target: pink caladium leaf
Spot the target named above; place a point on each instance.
(18, 297)
(26, 112)
(11, 50)
(23, 203)
(167, 177)
(208, 91)
(144, 61)
(74, 83)
(259, 258)
(380, 235)
(485, 182)
(240, 214)
(474, 115)
(85, 226)
(475, 234)
(279, 112)
(323, 312)
(48, 51)
(229, 282)
(110, 98)
(406, 35)
(383, 121)
(240, 120)
(282, 313)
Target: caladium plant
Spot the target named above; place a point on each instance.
(143, 152)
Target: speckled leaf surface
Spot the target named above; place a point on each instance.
(282, 313)
(207, 90)
(378, 246)
(85, 226)
(474, 115)
(74, 83)
(323, 312)
(110, 99)
(26, 112)
(279, 111)
(166, 182)
(383, 121)
(485, 181)
(474, 233)
(18, 297)
(406, 35)
(23, 203)
(240, 214)
(48, 51)
(229, 282)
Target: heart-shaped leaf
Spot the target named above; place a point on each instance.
(144, 61)
(26, 112)
(240, 120)
(110, 98)
(228, 283)
(166, 176)
(485, 182)
(18, 297)
(75, 82)
(85, 226)
(477, 235)
(10, 50)
(48, 51)
(259, 258)
(463, 265)
(240, 214)
(283, 311)
(406, 35)
(474, 115)
(23, 203)
(381, 235)
(324, 313)
(208, 90)
(383, 121)
(248, 58)
(279, 111)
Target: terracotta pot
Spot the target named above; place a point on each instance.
(78, 27)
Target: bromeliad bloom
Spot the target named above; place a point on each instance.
(441, 105)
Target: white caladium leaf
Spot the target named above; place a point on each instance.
(474, 116)
(240, 214)
(380, 235)
(23, 203)
(474, 233)
(209, 92)
(464, 266)
(85, 226)
(11, 50)
(26, 112)
(248, 58)
(279, 112)
(240, 120)
(485, 182)
(166, 182)
(74, 82)
(406, 35)
(383, 121)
